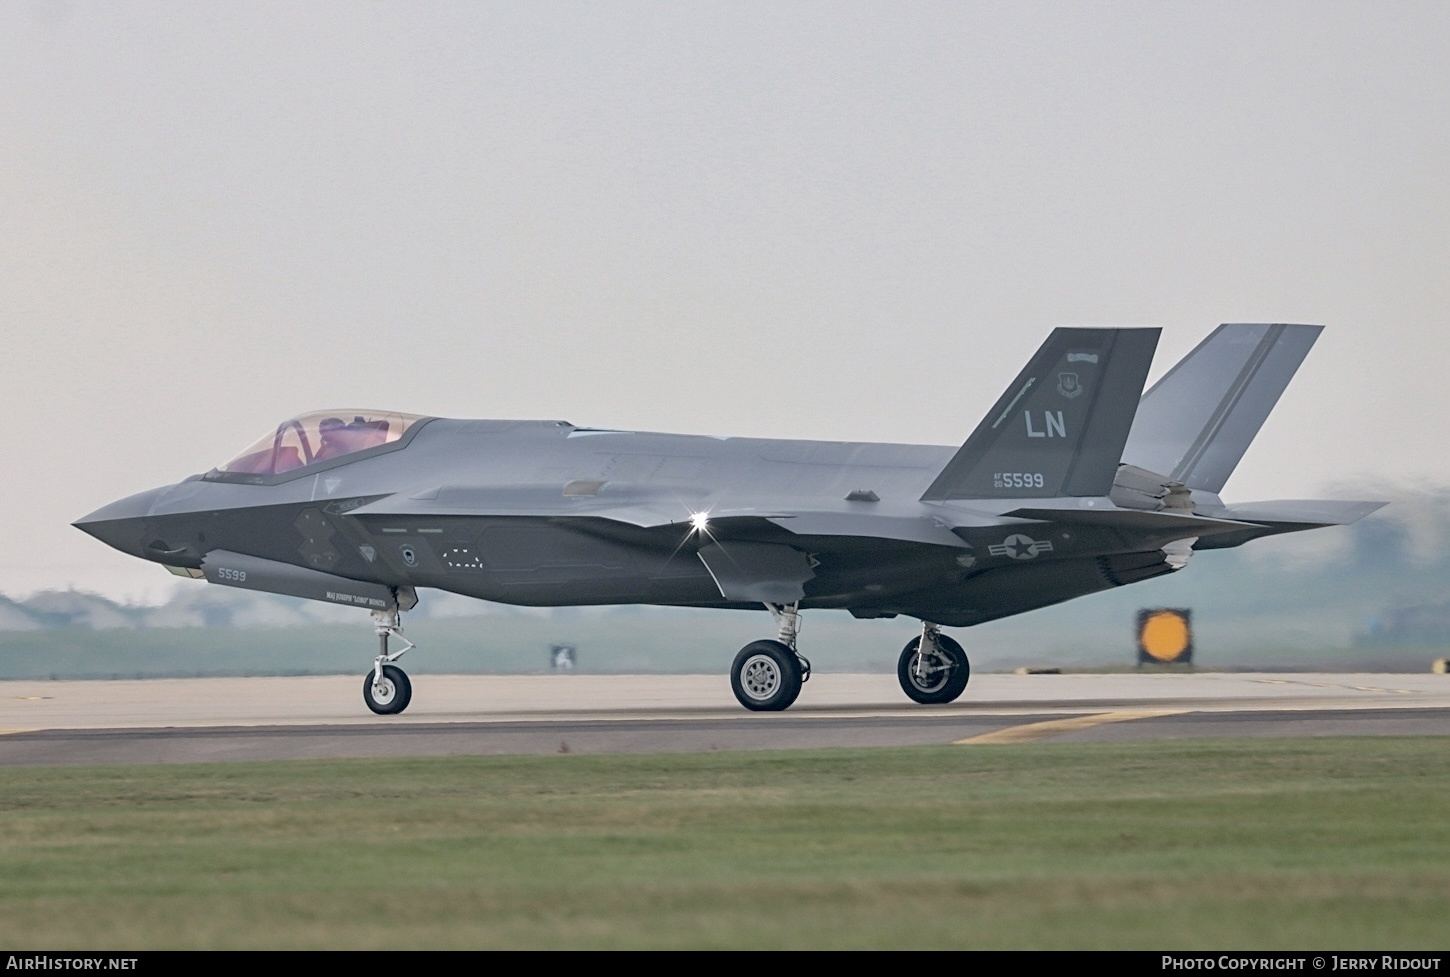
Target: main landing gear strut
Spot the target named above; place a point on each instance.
(767, 675)
(386, 689)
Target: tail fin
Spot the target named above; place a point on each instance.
(1197, 422)
(1059, 429)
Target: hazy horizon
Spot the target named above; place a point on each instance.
(846, 221)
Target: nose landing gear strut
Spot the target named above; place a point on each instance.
(386, 689)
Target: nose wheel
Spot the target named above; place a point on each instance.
(388, 693)
(386, 689)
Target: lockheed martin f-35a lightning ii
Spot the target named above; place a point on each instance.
(1075, 482)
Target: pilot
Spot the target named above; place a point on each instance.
(333, 439)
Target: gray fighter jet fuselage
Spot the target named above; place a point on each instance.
(1069, 486)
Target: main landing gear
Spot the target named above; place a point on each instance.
(933, 668)
(386, 689)
(767, 675)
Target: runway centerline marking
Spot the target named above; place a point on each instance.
(1028, 732)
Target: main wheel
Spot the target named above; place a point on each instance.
(766, 676)
(942, 676)
(389, 696)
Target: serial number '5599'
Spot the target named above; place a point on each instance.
(1016, 480)
(226, 573)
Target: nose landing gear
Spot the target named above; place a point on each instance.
(386, 689)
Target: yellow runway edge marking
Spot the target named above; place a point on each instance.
(1028, 732)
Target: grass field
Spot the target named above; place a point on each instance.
(1323, 843)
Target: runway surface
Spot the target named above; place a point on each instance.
(201, 720)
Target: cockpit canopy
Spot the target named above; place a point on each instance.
(319, 437)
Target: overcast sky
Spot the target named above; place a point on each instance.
(837, 220)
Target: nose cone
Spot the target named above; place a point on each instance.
(122, 523)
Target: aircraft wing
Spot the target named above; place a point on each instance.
(645, 506)
(644, 512)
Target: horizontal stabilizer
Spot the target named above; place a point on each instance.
(1059, 430)
(1197, 422)
(1164, 525)
(1308, 512)
(1285, 516)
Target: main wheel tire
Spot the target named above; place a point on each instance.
(766, 676)
(946, 671)
(390, 696)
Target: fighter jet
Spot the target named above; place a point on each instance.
(1075, 482)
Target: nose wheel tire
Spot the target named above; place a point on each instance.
(390, 695)
(766, 676)
(941, 677)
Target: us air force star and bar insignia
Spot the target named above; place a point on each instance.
(1020, 547)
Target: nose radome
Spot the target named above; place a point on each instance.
(120, 524)
(131, 507)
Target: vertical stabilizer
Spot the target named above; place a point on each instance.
(1197, 422)
(1059, 429)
